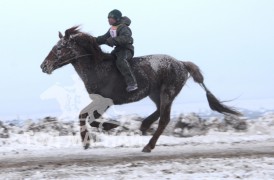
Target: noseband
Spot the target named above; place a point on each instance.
(73, 53)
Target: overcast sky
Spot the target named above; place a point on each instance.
(231, 41)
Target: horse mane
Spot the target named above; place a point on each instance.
(88, 42)
(71, 31)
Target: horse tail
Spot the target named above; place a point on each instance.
(213, 102)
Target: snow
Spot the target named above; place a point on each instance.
(157, 62)
(173, 158)
(186, 169)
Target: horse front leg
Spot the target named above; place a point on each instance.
(85, 137)
(88, 114)
(93, 111)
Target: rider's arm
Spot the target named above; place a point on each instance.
(102, 39)
(124, 38)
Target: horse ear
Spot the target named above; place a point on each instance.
(60, 35)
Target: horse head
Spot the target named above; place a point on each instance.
(66, 50)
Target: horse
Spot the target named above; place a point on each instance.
(159, 77)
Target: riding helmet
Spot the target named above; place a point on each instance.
(115, 14)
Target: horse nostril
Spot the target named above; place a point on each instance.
(43, 67)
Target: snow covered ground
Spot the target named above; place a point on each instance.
(52, 149)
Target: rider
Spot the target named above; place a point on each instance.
(119, 35)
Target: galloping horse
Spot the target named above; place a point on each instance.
(161, 77)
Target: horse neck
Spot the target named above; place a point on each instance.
(90, 71)
(83, 66)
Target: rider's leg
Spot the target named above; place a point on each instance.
(122, 64)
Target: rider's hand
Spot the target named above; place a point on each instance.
(110, 42)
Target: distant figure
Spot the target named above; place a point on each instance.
(70, 98)
(119, 35)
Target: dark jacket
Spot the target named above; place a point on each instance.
(123, 40)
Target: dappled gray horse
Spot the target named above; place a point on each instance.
(161, 77)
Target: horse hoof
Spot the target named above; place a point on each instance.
(147, 149)
(144, 133)
(86, 146)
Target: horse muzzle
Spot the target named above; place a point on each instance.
(47, 68)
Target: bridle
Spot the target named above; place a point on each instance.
(73, 53)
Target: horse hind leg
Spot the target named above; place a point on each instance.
(149, 121)
(167, 98)
(164, 120)
(153, 117)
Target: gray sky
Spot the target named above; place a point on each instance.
(231, 41)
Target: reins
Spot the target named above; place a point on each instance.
(73, 52)
(75, 58)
